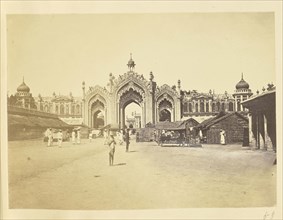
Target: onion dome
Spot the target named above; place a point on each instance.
(23, 87)
(242, 84)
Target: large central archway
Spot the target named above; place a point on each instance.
(128, 97)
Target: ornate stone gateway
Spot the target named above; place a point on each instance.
(128, 88)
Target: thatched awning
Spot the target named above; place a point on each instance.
(113, 126)
(166, 125)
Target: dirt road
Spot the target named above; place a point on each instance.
(148, 177)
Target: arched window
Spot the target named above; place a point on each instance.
(73, 110)
(196, 107)
(46, 108)
(61, 109)
(213, 107)
(207, 107)
(185, 107)
(201, 107)
(218, 106)
(67, 109)
(238, 106)
(57, 109)
(231, 107)
(223, 106)
(78, 109)
(190, 107)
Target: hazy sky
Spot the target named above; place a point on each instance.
(206, 51)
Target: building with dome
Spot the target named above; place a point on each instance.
(241, 94)
(22, 98)
(202, 105)
(100, 106)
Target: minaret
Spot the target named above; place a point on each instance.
(131, 64)
(179, 87)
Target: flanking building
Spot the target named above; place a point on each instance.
(262, 119)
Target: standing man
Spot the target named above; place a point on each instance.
(78, 136)
(222, 137)
(73, 136)
(49, 135)
(127, 139)
(90, 136)
(112, 145)
(60, 138)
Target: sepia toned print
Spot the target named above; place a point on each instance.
(150, 111)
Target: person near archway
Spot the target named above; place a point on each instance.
(73, 136)
(60, 138)
(49, 136)
(127, 139)
(111, 144)
(222, 137)
(78, 136)
(90, 136)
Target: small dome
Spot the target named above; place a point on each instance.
(131, 64)
(23, 88)
(242, 84)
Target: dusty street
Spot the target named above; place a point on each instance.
(147, 177)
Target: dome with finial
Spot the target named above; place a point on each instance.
(242, 84)
(131, 64)
(23, 87)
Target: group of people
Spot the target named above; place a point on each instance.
(110, 141)
(53, 135)
(50, 137)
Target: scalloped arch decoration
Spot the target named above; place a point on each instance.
(97, 90)
(167, 97)
(95, 98)
(131, 85)
(166, 89)
(130, 76)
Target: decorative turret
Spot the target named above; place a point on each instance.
(83, 87)
(151, 76)
(179, 87)
(242, 93)
(131, 64)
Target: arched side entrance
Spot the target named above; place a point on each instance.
(97, 112)
(165, 108)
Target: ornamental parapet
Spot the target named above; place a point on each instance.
(24, 111)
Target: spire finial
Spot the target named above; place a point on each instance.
(131, 55)
(23, 79)
(242, 76)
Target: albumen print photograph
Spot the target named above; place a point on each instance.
(137, 111)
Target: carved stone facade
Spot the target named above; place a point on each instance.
(162, 103)
(68, 108)
(128, 88)
(158, 103)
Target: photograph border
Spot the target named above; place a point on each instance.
(86, 7)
